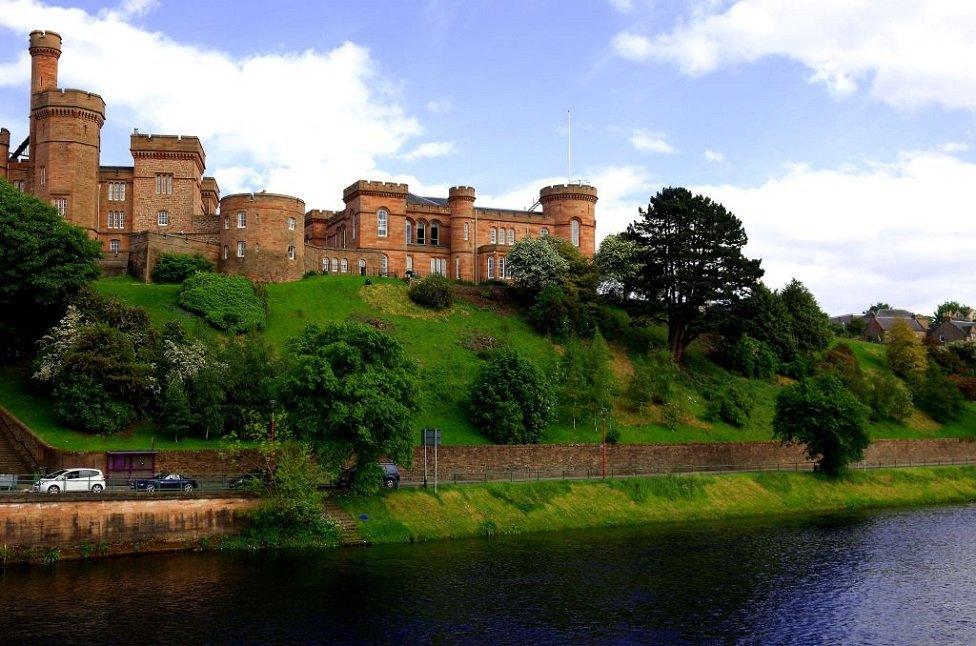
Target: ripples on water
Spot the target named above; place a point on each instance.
(889, 577)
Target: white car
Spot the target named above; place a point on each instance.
(70, 480)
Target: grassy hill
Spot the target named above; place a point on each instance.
(445, 347)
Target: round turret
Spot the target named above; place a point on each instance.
(45, 50)
(461, 199)
(4, 151)
(572, 210)
(262, 236)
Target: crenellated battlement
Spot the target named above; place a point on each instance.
(45, 42)
(461, 193)
(368, 187)
(568, 192)
(81, 102)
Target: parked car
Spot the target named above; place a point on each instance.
(71, 480)
(258, 477)
(391, 476)
(8, 481)
(164, 482)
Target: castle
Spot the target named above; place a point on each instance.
(165, 203)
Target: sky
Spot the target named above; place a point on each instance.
(841, 132)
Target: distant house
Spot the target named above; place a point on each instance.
(948, 331)
(877, 324)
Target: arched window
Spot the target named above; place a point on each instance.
(342, 234)
(241, 245)
(421, 232)
(543, 232)
(491, 266)
(382, 223)
(465, 230)
(511, 236)
(362, 267)
(501, 267)
(355, 222)
(493, 235)
(408, 232)
(435, 232)
(291, 252)
(457, 265)
(384, 265)
(345, 265)
(335, 265)
(226, 252)
(575, 230)
(409, 263)
(325, 265)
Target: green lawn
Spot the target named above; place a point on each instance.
(444, 346)
(511, 508)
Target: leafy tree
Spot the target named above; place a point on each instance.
(350, 391)
(44, 261)
(751, 358)
(511, 401)
(653, 380)
(764, 316)
(177, 418)
(177, 267)
(550, 313)
(951, 310)
(434, 291)
(905, 353)
(536, 264)
(732, 404)
(601, 385)
(82, 401)
(208, 399)
(877, 307)
(572, 367)
(856, 327)
(826, 418)
(691, 261)
(810, 326)
(937, 395)
(889, 398)
(250, 382)
(618, 262)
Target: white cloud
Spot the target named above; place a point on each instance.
(430, 149)
(267, 120)
(911, 53)
(714, 157)
(440, 106)
(954, 147)
(901, 231)
(623, 6)
(651, 142)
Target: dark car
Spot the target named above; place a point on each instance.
(164, 482)
(391, 476)
(251, 479)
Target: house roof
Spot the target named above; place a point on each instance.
(420, 200)
(963, 325)
(886, 322)
(894, 313)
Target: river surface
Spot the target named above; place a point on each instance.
(905, 577)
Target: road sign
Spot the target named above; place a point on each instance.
(430, 437)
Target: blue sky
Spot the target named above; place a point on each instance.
(839, 131)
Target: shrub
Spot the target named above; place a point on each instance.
(613, 436)
(177, 267)
(937, 395)
(227, 302)
(731, 404)
(435, 292)
(614, 323)
(550, 313)
(82, 402)
(511, 401)
(905, 353)
(653, 380)
(751, 358)
(826, 418)
(673, 413)
(889, 398)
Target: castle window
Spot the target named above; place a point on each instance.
(501, 267)
(345, 266)
(384, 265)
(241, 220)
(543, 232)
(491, 266)
(325, 265)
(465, 230)
(421, 233)
(435, 233)
(43, 175)
(493, 235)
(335, 265)
(354, 227)
(409, 264)
(21, 185)
(291, 224)
(457, 264)
(408, 232)
(114, 246)
(162, 219)
(226, 222)
(241, 246)
(575, 232)
(508, 270)
(164, 183)
(362, 267)
(291, 252)
(116, 219)
(382, 222)
(511, 236)
(61, 204)
(438, 266)
(226, 252)
(116, 191)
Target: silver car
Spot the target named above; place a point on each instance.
(71, 480)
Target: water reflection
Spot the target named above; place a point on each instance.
(888, 577)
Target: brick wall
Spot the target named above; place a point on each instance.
(144, 249)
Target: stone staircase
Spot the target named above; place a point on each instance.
(348, 527)
(10, 459)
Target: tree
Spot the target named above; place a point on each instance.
(877, 307)
(350, 391)
(44, 261)
(550, 313)
(810, 325)
(619, 265)
(691, 261)
(826, 418)
(601, 385)
(951, 310)
(572, 367)
(177, 418)
(937, 395)
(905, 353)
(536, 264)
(511, 401)
(764, 316)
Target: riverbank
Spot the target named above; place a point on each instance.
(514, 508)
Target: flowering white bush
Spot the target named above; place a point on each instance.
(536, 264)
(55, 344)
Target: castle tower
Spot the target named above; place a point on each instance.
(262, 236)
(463, 237)
(65, 136)
(572, 209)
(167, 182)
(4, 151)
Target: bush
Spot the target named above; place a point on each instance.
(751, 358)
(937, 395)
(653, 380)
(905, 353)
(613, 436)
(435, 292)
(227, 302)
(889, 398)
(550, 313)
(826, 418)
(511, 401)
(177, 267)
(614, 323)
(82, 402)
(732, 405)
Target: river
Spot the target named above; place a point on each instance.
(901, 576)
